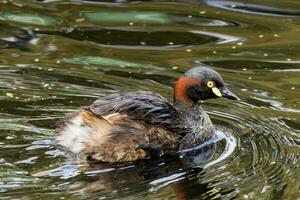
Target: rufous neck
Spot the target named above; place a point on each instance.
(180, 90)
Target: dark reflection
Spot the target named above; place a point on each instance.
(253, 8)
(150, 175)
(13, 37)
(133, 37)
(192, 188)
(289, 123)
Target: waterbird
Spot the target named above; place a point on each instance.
(128, 126)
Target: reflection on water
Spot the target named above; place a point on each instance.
(59, 55)
(254, 8)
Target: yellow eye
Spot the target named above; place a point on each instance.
(210, 84)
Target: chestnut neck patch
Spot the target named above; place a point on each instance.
(181, 86)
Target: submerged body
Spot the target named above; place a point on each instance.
(129, 126)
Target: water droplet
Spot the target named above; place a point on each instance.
(80, 20)
(9, 94)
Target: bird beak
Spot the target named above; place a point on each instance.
(225, 92)
(216, 91)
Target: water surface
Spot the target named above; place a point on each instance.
(59, 55)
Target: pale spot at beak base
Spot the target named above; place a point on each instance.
(216, 91)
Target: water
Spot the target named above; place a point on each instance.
(59, 55)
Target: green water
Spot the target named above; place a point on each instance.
(56, 56)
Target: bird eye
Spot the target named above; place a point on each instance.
(210, 84)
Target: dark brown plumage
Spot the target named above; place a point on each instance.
(129, 126)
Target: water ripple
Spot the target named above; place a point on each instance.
(57, 56)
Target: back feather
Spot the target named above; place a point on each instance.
(147, 107)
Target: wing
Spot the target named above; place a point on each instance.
(121, 127)
(146, 107)
(113, 137)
